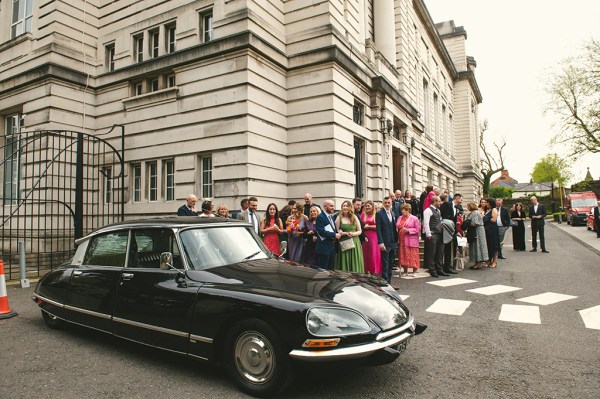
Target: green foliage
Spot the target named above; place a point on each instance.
(552, 168)
(585, 185)
(501, 192)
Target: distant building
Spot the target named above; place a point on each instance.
(526, 189)
(504, 180)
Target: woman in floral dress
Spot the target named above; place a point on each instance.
(270, 227)
(371, 251)
(478, 251)
(295, 226)
(408, 240)
(350, 260)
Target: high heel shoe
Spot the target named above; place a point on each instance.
(492, 265)
(476, 266)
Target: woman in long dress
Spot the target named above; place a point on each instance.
(371, 251)
(408, 240)
(492, 234)
(295, 229)
(350, 260)
(518, 231)
(478, 251)
(270, 227)
(310, 233)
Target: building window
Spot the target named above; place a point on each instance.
(107, 174)
(444, 132)
(436, 120)
(206, 26)
(152, 177)
(170, 39)
(206, 173)
(22, 17)
(154, 84)
(12, 158)
(169, 174)
(154, 42)
(137, 182)
(110, 57)
(358, 112)
(171, 81)
(137, 88)
(358, 168)
(430, 176)
(138, 48)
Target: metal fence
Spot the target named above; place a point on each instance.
(57, 186)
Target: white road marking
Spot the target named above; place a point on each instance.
(451, 282)
(449, 306)
(494, 289)
(520, 314)
(547, 298)
(591, 317)
(404, 297)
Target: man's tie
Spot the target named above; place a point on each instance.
(253, 221)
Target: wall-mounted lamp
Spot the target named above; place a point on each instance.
(412, 142)
(385, 125)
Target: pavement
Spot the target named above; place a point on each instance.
(579, 233)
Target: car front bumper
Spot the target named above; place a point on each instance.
(387, 339)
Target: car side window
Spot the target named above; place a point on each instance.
(107, 249)
(148, 244)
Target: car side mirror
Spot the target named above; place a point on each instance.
(166, 261)
(282, 248)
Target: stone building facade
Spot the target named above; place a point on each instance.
(228, 99)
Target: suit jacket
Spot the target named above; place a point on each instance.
(504, 217)
(411, 239)
(245, 216)
(597, 212)
(325, 239)
(447, 211)
(540, 211)
(386, 230)
(185, 211)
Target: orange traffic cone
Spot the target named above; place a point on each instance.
(5, 312)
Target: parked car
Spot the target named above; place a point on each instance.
(209, 289)
(590, 221)
(578, 205)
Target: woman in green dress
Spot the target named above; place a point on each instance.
(349, 257)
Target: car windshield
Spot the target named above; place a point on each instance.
(582, 202)
(218, 246)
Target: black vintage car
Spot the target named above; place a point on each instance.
(209, 288)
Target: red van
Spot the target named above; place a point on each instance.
(578, 206)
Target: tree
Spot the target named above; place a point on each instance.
(490, 162)
(575, 101)
(552, 168)
(501, 192)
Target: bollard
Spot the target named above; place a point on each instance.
(5, 312)
(22, 266)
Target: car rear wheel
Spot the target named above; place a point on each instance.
(256, 359)
(53, 321)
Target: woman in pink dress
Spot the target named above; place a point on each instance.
(371, 251)
(270, 227)
(408, 240)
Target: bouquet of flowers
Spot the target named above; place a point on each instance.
(291, 226)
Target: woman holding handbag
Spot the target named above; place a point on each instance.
(408, 240)
(350, 255)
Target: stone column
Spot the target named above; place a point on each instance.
(385, 32)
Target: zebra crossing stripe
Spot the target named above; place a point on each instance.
(494, 289)
(547, 298)
(404, 297)
(450, 282)
(591, 317)
(520, 314)
(449, 306)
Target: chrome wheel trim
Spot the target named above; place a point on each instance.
(254, 357)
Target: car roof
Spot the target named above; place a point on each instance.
(167, 221)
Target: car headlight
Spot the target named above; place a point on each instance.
(327, 322)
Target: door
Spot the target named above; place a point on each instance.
(93, 284)
(154, 306)
(397, 169)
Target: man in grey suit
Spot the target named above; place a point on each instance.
(434, 242)
(249, 215)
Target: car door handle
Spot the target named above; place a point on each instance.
(77, 273)
(127, 276)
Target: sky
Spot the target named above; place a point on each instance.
(516, 44)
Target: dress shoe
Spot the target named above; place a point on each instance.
(434, 275)
(533, 250)
(544, 251)
(442, 273)
(450, 271)
(501, 257)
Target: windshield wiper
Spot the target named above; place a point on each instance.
(251, 256)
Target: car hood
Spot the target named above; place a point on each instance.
(368, 294)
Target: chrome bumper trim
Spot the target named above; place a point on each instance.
(151, 327)
(407, 330)
(194, 338)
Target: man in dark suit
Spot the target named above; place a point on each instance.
(326, 236)
(249, 215)
(434, 241)
(189, 208)
(597, 219)
(449, 210)
(537, 213)
(243, 207)
(503, 222)
(387, 238)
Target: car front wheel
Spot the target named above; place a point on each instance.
(256, 359)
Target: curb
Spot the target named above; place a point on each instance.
(579, 240)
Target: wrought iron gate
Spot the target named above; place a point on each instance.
(57, 187)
